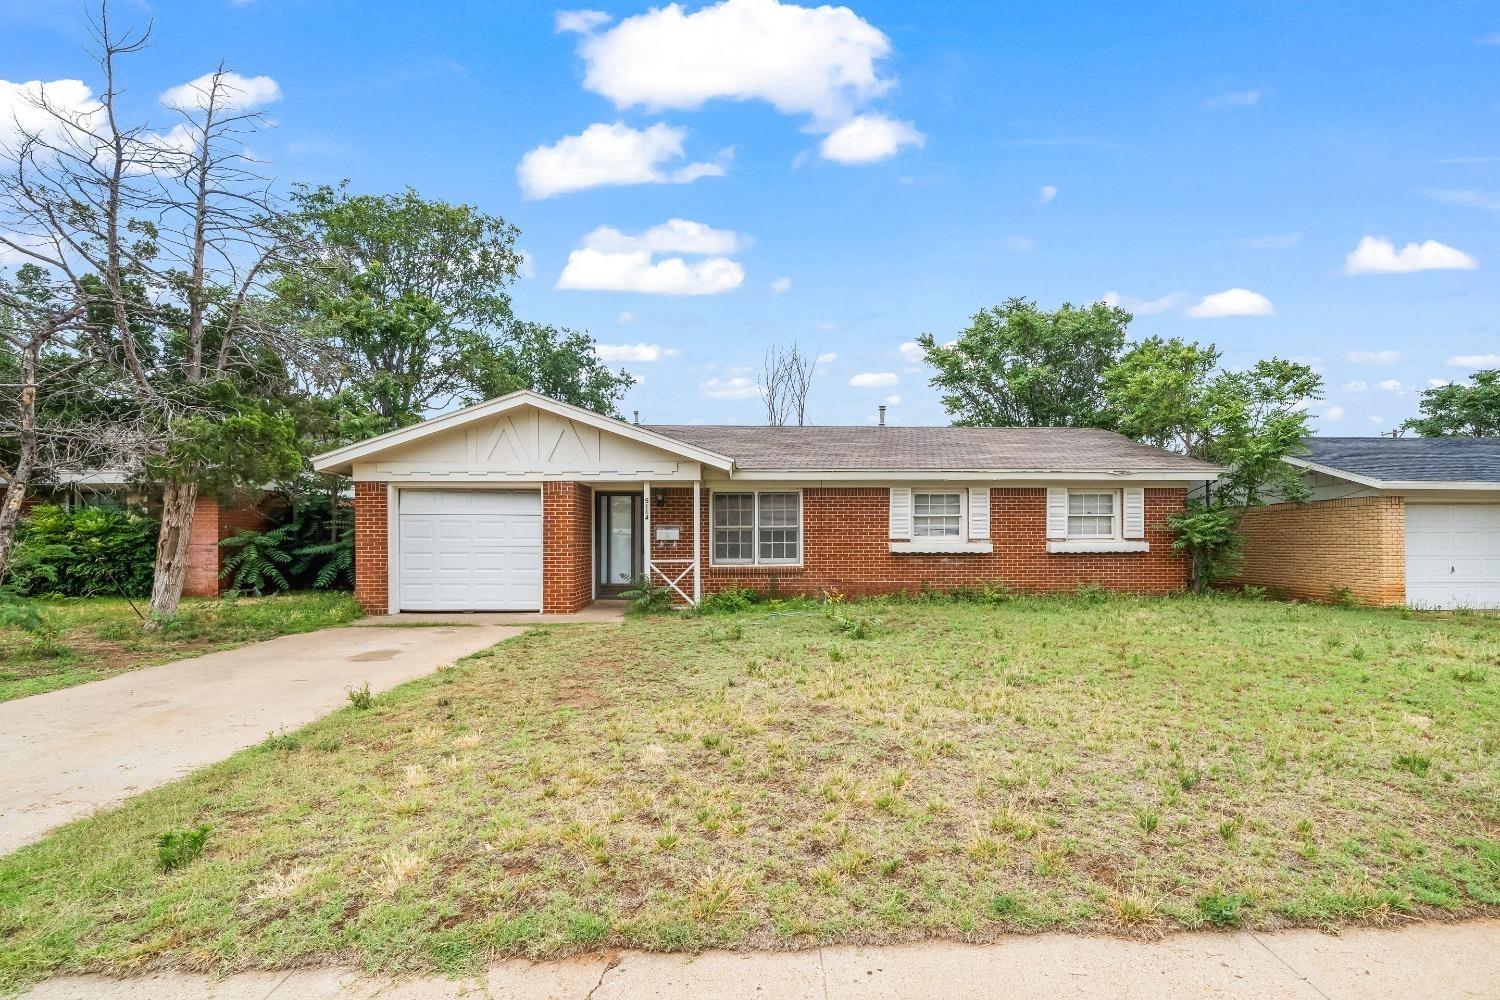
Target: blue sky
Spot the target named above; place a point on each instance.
(848, 178)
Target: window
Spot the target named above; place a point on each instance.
(1093, 515)
(755, 528)
(937, 515)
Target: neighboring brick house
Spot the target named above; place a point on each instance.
(1391, 521)
(526, 503)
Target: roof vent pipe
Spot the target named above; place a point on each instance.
(637, 415)
(882, 414)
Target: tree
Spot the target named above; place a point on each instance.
(1019, 366)
(785, 381)
(1459, 410)
(557, 363)
(1172, 394)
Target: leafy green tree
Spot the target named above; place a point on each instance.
(1016, 365)
(1173, 394)
(1459, 410)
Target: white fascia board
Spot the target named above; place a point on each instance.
(1391, 485)
(1173, 476)
(340, 458)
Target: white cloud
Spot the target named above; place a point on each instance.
(1391, 385)
(1274, 241)
(596, 271)
(1232, 302)
(827, 359)
(1438, 383)
(605, 155)
(612, 261)
(912, 353)
(1356, 386)
(626, 316)
(894, 399)
(19, 114)
(1144, 307)
(731, 388)
(868, 138)
(1491, 39)
(672, 236)
(1047, 193)
(579, 22)
(1333, 413)
(801, 60)
(1475, 361)
(781, 285)
(236, 92)
(873, 380)
(1376, 419)
(827, 326)
(1372, 357)
(1378, 255)
(633, 352)
(1234, 99)
(1468, 199)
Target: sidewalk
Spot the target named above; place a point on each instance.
(1449, 961)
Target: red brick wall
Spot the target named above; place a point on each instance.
(212, 523)
(846, 548)
(1311, 551)
(567, 547)
(371, 548)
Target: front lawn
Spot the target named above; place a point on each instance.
(781, 778)
(102, 636)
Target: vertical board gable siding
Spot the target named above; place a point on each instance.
(1134, 522)
(979, 512)
(900, 526)
(1057, 512)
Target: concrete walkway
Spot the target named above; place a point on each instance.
(1449, 961)
(68, 753)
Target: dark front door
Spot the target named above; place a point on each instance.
(617, 538)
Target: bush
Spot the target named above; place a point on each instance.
(85, 552)
(728, 602)
(254, 560)
(648, 599)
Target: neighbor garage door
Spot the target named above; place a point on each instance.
(470, 550)
(1453, 555)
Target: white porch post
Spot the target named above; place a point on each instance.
(697, 541)
(646, 526)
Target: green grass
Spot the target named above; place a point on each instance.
(959, 771)
(101, 636)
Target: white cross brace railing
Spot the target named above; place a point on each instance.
(655, 567)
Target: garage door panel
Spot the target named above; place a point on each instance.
(470, 550)
(1453, 555)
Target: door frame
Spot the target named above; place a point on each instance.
(601, 541)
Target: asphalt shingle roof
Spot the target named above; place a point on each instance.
(963, 449)
(1410, 459)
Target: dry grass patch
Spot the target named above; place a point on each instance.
(962, 771)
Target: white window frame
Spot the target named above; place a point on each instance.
(1117, 518)
(963, 515)
(755, 529)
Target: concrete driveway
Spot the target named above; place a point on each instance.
(68, 753)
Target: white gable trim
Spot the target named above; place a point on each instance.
(1398, 485)
(341, 459)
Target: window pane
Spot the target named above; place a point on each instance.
(1091, 515)
(937, 515)
(780, 535)
(733, 545)
(734, 510)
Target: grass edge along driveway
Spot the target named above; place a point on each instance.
(793, 775)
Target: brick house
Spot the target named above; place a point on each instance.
(526, 503)
(1394, 521)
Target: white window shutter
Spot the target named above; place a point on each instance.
(979, 512)
(901, 512)
(1057, 512)
(1134, 523)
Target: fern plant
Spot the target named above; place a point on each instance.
(647, 599)
(256, 558)
(337, 556)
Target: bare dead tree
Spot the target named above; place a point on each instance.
(786, 381)
(153, 230)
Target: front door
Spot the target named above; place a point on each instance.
(617, 534)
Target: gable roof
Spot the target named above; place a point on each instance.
(935, 449)
(1410, 462)
(340, 460)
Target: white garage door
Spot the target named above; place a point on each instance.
(1453, 555)
(470, 550)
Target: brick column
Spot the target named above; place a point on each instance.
(567, 547)
(371, 548)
